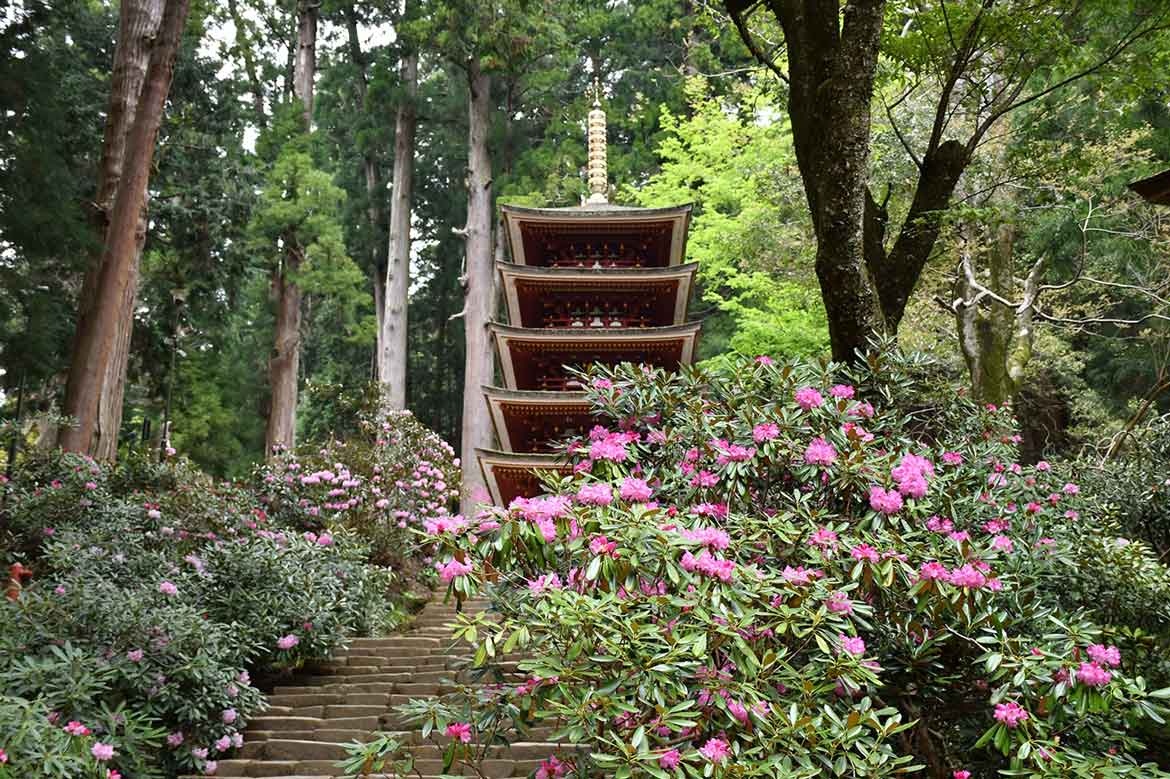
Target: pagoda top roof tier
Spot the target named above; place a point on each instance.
(597, 235)
(528, 421)
(596, 297)
(510, 476)
(535, 358)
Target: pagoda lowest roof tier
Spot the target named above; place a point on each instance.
(660, 295)
(601, 235)
(527, 421)
(534, 358)
(509, 476)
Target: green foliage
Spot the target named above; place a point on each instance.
(732, 157)
(760, 560)
(156, 593)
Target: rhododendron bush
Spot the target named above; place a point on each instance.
(394, 475)
(155, 597)
(802, 570)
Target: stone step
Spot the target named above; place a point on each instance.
(287, 749)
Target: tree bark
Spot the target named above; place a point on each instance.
(144, 66)
(832, 69)
(392, 362)
(305, 68)
(285, 361)
(374, 209)
(478, 287)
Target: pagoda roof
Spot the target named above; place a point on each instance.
(520, 348)
(526, 227)
(510, 408)
(522, 282)
(1155, 189)
(509, 475)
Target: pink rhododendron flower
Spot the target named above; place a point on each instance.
(670, 760)
(1043, 466)
(1010, 714)
(229, 716)
(961, 775)
(939, 525)
(885, 501)
(1002, 544)
(839, 603)
(708, 536)
(738, 710)
(287, 642)
(168, 588)
(75, 728)
(764, 359)
(453, 568)
(967, 576)
(551, 768)
(549, 581)
(820, 452)
(911, 475)
(1071, 489)
(714, 510)
(865, 552)
(841, 391)
(135, 655)
(852, 645)
(933, 570)
(716, 750)
(709, 565)
(174, 739)
(611, 447)
(704, 479)
(823, 538)
(444, 524)
(1105, 655)
(765, 432)
(222, 744)
(102, 752)
(952, 458)
(600, 545)
(808, 398)
(800, 575)
(594, 494)
(460, 731)
(210, 767)
(731, 453)
(1093, 675)
(634, 489)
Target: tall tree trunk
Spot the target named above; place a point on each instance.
(285, 361)
(478, 287)
(832, 67)
(140, 84)
(392, 362)
(374, 208)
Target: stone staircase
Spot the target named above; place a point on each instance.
(307, 726)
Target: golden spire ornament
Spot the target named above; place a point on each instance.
(598, 170)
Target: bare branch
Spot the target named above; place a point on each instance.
(760, 55)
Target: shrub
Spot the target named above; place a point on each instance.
(1134, 485)
(392, 476)
(803, 570)
(159, 605)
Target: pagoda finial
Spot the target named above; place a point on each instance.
(598, 171)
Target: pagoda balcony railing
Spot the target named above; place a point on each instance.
(599, 256)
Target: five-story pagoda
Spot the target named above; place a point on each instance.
(593, 284)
